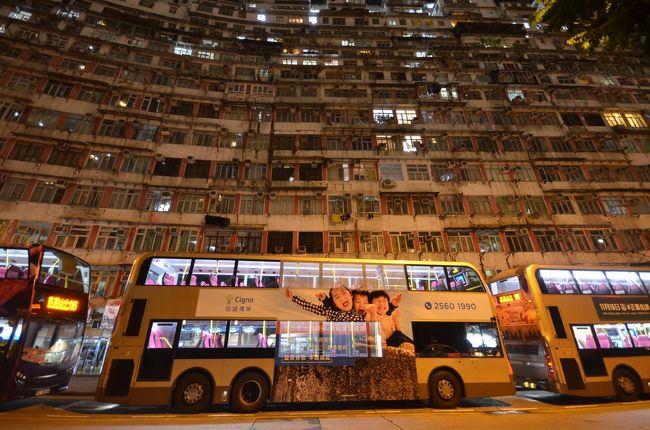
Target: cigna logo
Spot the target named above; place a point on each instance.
(230, 299)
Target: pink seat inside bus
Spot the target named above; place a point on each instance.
(3, 271)
(604, 341)
(589, 342)
(642, 341)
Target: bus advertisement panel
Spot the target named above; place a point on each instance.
(577, 330)
(248, 331)
(43, 308)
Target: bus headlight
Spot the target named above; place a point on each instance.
(21, 378)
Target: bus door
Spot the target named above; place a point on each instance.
(589, 352)
(158, 355)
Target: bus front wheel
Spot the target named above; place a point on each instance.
(193, 393)
(444, 390)
(249, 393)
(626, 386)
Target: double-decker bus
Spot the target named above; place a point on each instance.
(43, 312)
(203, 329)
(582, 331)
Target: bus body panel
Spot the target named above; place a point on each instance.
(44, 294)
(177, 304)
(553, 312)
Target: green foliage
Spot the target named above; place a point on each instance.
(613, 25)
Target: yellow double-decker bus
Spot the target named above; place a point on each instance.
(583, 331)
(203, 329)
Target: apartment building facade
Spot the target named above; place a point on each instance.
(396, 129)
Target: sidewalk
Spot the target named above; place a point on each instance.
(82, 385)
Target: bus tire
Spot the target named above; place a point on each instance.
(192, 394)
(626, 385)
(249, 393)
(444, 390)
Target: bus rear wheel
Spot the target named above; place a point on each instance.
(249, 393)
(444, 390)
(626, 385)
(193, 393)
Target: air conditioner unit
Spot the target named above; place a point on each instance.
(158, 230)
(279, 249)
(302, 249)
(410, 236)
(213, 194)
(359, 196)
(425, 201)
(451, 164)
(173, 230)
(273, 196)
(223, 248)
(365, 237)
(388, 183)
(190, 159)
(127, 152)
(238, 249)
(346, 236)
(159, 157)
(120, 232)
(318, 195)
(260, 194)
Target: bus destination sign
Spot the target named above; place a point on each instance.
(57, 303)
(616, 308)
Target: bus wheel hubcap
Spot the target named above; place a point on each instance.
(626, 384)
(251, 391)
(193, 393)
(445, 389)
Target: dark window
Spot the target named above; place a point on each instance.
(167, 167)
(570, 118)
(593, 119)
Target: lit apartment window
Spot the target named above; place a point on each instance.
(159, 201)
(261, 17)
(405, 116)
(100, 161)
(635, 120)
(295, 20)
(603, 240)
(614, 118)
(411, 143)
(20, 14)
(183, 48)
